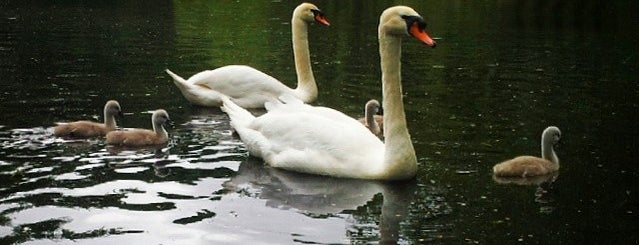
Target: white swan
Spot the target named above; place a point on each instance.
(250, 88)
(143, 137)
(293, 135)
(528, 166)
(372, 121)
(86, 129)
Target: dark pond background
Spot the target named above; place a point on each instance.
(502, 72)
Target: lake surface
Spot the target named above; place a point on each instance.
(502, 72)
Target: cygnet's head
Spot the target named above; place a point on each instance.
(551, 135)
(372, 106)
(161, 117)
(112, 107)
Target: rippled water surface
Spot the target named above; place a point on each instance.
(501, 73)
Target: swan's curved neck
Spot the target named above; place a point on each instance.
(369, 114)
(306, 86)
(109, 120)
(399, 152)
(547, 150)
(159, 130)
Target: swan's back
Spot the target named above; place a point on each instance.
(81, 129)
(303, 138)
(322, 145)
(142, 137)
(251, 89)
(88, 129)
(524, 166)
(135, 137)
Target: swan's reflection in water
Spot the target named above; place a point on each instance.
(543, 192)
(315, 195)
(157, 157)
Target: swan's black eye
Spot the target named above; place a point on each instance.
(412, 19)
(317, 12)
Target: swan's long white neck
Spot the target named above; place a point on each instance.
(547, 150)
(399, 155)
(109, 119)
(306, 86)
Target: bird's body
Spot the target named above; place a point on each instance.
(372, 121)
(249, 87)
(142, 137)
(89, 129)
(528, 166)
(525, 166)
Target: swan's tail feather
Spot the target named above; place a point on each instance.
(185, 87)
(177, 79)
(196, 94)
(240, 117)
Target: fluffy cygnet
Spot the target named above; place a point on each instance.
(87, 129)
(142, 137)
(372, 121)
(527, 166)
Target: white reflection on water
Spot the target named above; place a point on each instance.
(318, 196)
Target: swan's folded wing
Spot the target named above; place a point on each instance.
(247, 86)
(312, 143)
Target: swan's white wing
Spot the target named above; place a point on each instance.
(304, 141)
(247, 86)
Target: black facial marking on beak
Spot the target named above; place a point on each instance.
(319, 17)
(412, 19)
(317, 12)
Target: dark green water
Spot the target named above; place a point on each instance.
(502, 72)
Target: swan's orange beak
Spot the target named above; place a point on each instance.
(321, 19)
(421, 34)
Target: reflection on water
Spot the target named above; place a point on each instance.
(310, 195)
(502, 71)
(542, 192)
(323, 197)
(85, 183)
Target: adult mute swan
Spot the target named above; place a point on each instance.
(528, 166)
(294, 136)
(250, 88)
(86, 129)
(143, 137)
(372, 121)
